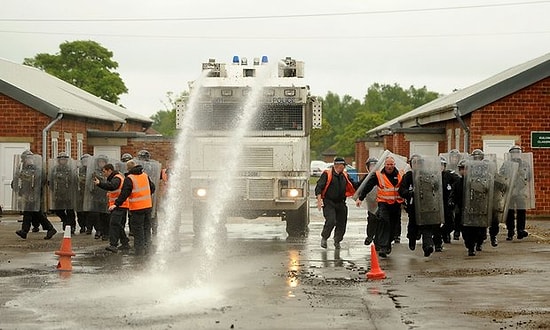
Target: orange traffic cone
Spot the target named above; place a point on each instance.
(375, 272)
(66, 252)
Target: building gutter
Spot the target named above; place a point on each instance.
(464, 127)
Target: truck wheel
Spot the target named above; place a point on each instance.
(200, 222)
(297, 221)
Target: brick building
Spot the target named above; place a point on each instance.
(509, 108)
(47, 115)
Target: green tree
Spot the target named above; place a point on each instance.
(85, 64)
(345, 120)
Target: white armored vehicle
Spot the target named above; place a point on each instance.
(272, 173)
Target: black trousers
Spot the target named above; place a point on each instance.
(430, 234)
(68, 218)
(372, 221)
(516, 220)
(388, 215)
(141, 228)
(117, 225)
(336, 217)
(39, 217)
(473, 236)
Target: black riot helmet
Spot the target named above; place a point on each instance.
(414, 156)
(515, 149)
(126, 157)
(478, 154)
(62, 155)
(143, 155)
(25, 154)
(462, 164)
(370, 161)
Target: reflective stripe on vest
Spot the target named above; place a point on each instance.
(140, 198)
(113, 195)
(387, 192)
(350, 191)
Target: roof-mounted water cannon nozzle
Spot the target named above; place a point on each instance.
(244, 61)
(256, 61)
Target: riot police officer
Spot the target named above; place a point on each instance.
(95, 198)
(448, 179)
(153, 170)
(477, 200)
(27, 184)
(421, 189)
(82, 220)
(62, 183)
(523, 193)
(372, 205)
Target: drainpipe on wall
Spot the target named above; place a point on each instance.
(45, 137)
(45, 149)
(465, 128)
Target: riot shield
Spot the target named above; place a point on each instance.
(152, 168)
(95, 198)
(120, 166)
(478, 193)
(428, 191)
(523, 192)
(453, 158)
(504, 180)
(82, 168)
(62, 183)
(27, 183)
(400, 164)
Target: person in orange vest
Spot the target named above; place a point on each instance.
(332, 189)
(113, 185)
(388, 214)
(137, 188)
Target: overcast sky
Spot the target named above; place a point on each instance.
(346, 45)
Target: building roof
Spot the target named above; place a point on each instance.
(53, 96)
(464, 101)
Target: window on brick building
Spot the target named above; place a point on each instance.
(55, 147)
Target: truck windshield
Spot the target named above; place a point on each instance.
(270, 117)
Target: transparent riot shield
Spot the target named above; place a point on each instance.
(504, 180)
(400, 164)
(478, 193)
(81, 169)
(428, 191)
(95, 198)
(27, 183)
(62, 184)
(120, 166)
(523, 192)
(453, 158)
(152, 168)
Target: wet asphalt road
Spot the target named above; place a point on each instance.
(257, 279)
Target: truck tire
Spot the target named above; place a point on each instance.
(200, 222)
(297, 221)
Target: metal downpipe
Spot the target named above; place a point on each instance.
(465, 128)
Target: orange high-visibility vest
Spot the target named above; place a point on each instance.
(349, 186)
(113, 195)
(387, 192)
(140, 198)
